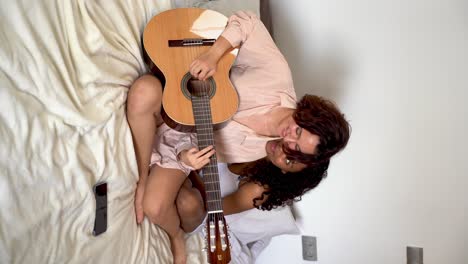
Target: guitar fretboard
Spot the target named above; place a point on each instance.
(204, 127)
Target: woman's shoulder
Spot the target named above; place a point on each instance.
(253, 190)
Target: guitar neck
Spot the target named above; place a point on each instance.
(204, 127)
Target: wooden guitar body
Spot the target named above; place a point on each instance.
(189, 24)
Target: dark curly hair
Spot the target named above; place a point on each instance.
(282, 188)
(321, 117)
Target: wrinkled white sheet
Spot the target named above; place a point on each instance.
(65, 69)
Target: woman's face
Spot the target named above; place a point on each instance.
(297, 138)
(276, 155)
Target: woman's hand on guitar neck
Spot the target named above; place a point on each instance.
(195, 158)
(205, 65)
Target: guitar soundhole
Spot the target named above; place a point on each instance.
(194, 87)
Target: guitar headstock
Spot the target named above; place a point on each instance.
(217, 241)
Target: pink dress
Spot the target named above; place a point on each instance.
(263, 81)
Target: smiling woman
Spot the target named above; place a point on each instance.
(323, 125)
(278, 157)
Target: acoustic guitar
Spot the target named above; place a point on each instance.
(172, 40)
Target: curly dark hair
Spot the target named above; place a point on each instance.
(282, 188)
(321, 117)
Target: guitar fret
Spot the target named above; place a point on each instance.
(198, 106)
(211, 182)
(204, 118)
(213, 197)
(212, 166)
(212, 189)
(205, 134)
(201, 114)
(211, 171)
(204, 138)
(210, 174)
(207, 125)
(206, 130)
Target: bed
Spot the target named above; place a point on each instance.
(65, 70)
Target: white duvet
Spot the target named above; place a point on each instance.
(65, 69)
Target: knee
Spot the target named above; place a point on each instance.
(154, 210)
(145, 95)
(189, 202)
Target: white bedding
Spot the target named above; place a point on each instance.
(65, 69)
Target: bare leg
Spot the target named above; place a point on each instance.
(162, 188)
(143, 107)
(190, 207)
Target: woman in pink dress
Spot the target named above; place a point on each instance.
(269, 120)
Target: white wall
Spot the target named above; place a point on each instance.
(399, 70)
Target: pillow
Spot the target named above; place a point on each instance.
(255, 224)
(225, 7)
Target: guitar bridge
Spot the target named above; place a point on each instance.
(190, 42)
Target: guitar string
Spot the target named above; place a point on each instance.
(211, 170)
(203, 106)
(199, 104)
(207, 169)
(207, 116)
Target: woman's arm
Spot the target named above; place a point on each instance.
(243, 29)
(242, 199)
(238, 201)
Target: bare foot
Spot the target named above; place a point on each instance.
(140, 191)
(178, 248)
